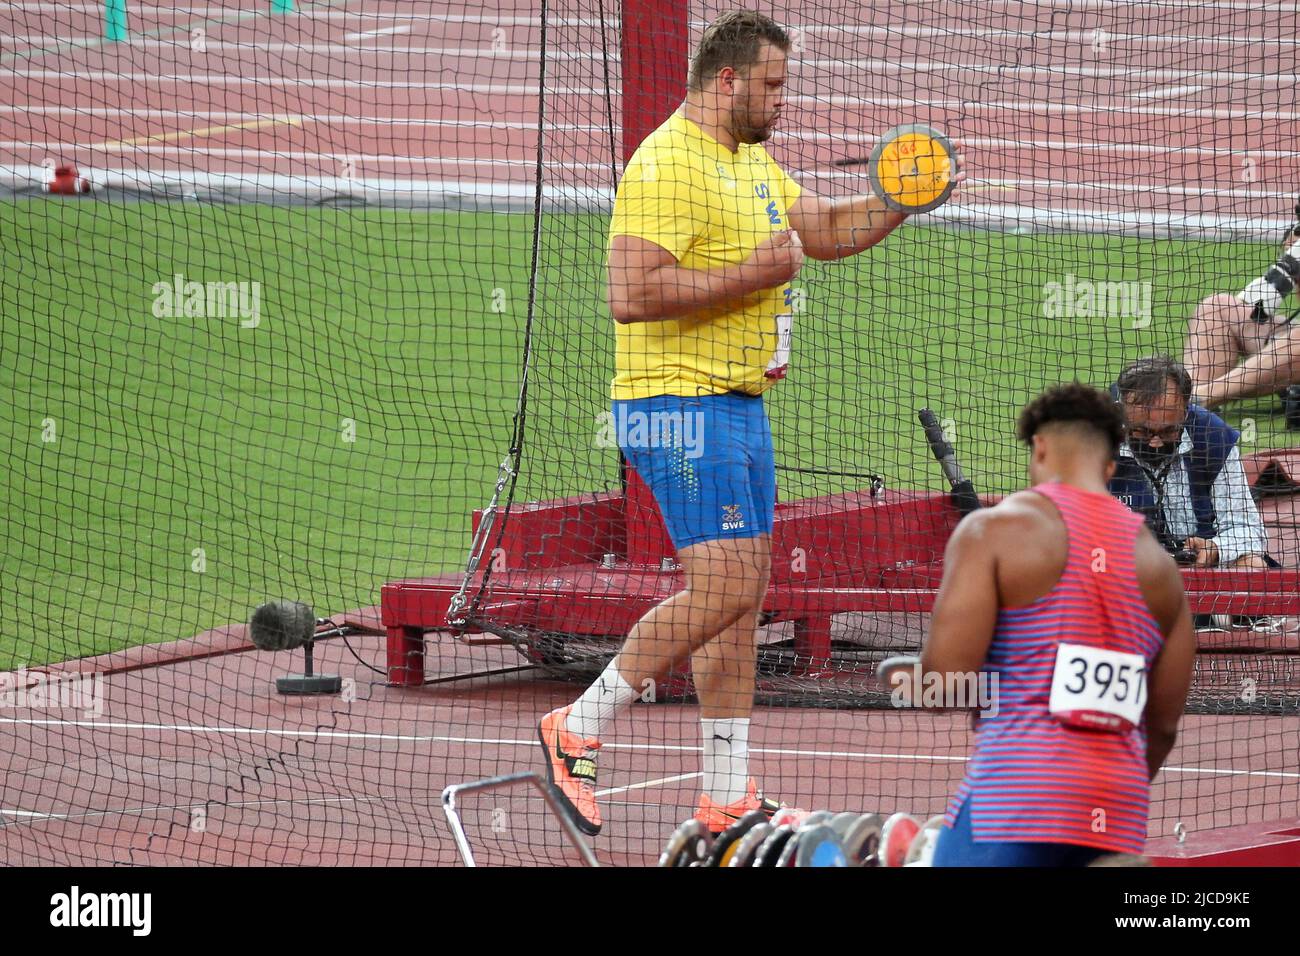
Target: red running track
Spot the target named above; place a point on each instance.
(1150, 108)
(201, 761)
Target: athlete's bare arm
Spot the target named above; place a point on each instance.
(966, 607)
(1005, 556)
(836, 228)
(644, 283)
(1171, 674)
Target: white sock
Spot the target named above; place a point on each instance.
(600, 702)
(726, 758)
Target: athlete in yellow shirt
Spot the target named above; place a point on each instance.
(707, 233)
(709, 207)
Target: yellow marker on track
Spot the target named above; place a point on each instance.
(205, 132)
(913, 168)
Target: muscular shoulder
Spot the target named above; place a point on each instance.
(659, 164)
(1022, 536)
(674, 149)
(666, 159)
(1013, 517)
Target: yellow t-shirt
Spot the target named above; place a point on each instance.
(687, 193)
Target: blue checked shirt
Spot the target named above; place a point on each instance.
(1240, 528)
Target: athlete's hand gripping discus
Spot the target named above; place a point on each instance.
(963, 492)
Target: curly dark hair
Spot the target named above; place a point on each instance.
(734, 39)
(1074, 404)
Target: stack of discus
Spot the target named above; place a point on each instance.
(800, 838)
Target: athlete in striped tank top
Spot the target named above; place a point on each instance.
(1063, 594)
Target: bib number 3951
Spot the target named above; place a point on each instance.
(1098, 689)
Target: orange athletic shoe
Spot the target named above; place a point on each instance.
(571, 769)
(717, 817)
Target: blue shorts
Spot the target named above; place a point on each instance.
(957, 847)
(708, 460)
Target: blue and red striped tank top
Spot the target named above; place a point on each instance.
(1031, 778)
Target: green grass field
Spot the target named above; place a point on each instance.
(166, 473)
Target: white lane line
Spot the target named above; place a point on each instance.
(331, 118)
(1011, 145)
(137, 811)
(1215, 772)
(864, 30)
(1166, 92)
(1025, 36)
(182, 43)
(333, 47)
(360, 159)
(261, 731)
(222, 79)
(645, 785)
(1113, 5)
(1036, 107)
(795, 133)
(528, 164)
(313, 13)
(523, 52)
(511, 742)
(309, 12)
(1244, 112)
(218, 16)
(36, 38)
(1053, 71)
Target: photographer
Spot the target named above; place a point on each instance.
(1251, 324)
(1181, 470)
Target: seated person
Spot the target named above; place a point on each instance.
(1243, 345)
(1180, 468)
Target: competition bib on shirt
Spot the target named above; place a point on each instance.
(1098, 689)
(781, 357)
